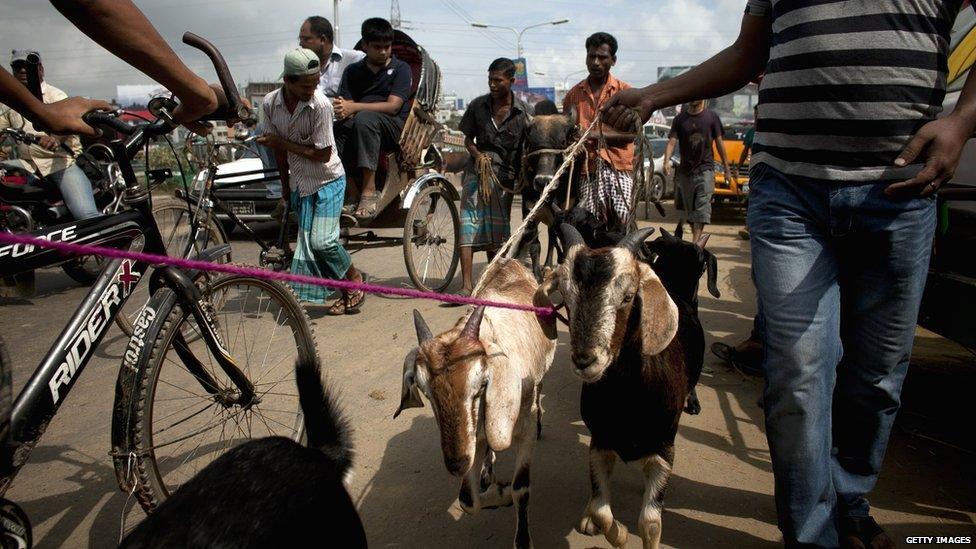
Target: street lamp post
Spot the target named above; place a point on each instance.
(519, 33)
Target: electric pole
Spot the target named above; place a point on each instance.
(395, 20)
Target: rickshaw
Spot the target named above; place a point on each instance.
(413, 193)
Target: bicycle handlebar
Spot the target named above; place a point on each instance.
(234, 107)
(108, 119)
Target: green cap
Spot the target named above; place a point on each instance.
(299, 62)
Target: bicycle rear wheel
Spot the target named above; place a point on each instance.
(173, 219)
(179, 426)
(431, 235)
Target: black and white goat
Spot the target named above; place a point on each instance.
(482, 378)
(680, 265)
(622, 330)
(271, 492)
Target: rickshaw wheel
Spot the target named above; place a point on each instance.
(431, 235)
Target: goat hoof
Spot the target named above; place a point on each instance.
(588, 527)
(693, 407)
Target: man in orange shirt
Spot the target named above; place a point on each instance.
(605, 190)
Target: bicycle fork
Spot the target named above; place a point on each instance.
(192, 300)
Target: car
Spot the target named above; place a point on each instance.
(251, 196)
(659, 186)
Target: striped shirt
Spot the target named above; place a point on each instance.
(310, 124)
(848, 83)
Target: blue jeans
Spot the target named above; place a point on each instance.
(839, 271)
(76, 190)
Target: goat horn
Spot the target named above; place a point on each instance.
(423, 332)
(571, 236)
(633, 240)
(702, 240)
(473, 327)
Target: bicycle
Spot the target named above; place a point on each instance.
(155, 448)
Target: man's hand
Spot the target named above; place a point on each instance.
(64, 117)
(344, 108)
(667, 167)
(269, 140)
(942, 141)
(728, 175)
(625, 109)
(49, 142)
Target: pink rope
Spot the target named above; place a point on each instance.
(348, 285)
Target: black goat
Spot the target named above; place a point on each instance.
(622, 328)
(680, 265)
(271, 492)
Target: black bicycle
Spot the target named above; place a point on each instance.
(211, 359)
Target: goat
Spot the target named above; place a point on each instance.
(482, 378)
(271, 492)
(622, 327)
(680, 265)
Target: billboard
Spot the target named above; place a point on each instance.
(521, 74)
(532, 96)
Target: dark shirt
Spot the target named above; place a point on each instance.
(362, 85)
(501, 142)
(695, 133)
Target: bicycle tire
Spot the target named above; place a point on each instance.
(215, 236)
(151, 486)
(419, 276)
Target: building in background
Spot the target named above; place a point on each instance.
(450, 107)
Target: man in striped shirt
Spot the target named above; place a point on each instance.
(847, 155)
(299, 119)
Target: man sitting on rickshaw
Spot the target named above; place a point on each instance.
(370, 109)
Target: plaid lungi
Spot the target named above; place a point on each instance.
(318, 251)
(484, 224)
(610, 191)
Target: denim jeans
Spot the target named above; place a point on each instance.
(839, 271)
(76, 190)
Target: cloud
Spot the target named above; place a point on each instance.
(255, 34)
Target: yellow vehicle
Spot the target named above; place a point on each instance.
(738, 189)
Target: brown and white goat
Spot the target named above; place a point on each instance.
(482, 378)
(622, 335)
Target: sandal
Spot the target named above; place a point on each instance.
(463, 292)
(367, 206)
(338, 307)
(355, 299)
(741, 362)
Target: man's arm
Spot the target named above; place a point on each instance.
(668, 151)
(613, 136)
(62, 117)
(281, 158)
(121, 28)
(345, 108)
(943, 139)
(282, 145)
(472, 148)
(724, 73)
(720, 143)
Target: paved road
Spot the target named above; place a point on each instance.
(721, 492)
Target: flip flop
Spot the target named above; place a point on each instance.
(367, 204)
(355, 302)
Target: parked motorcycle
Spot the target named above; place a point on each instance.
(30, 203)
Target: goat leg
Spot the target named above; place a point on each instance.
(520, 484)
(538, 413)
(692, 404)
(598, 518)
(657, 471)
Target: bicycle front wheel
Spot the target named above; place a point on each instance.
(182, 423)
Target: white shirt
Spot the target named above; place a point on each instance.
(47, 162)
(310, 124)
(331, 73)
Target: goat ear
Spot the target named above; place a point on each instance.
(503, 398)
(543, 298)
(711, 264)
(659, 314)
(409, 393)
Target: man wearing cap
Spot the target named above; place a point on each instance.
(50, 157)
(298, 119)
(317, 35)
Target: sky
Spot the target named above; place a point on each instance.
(253, 35)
